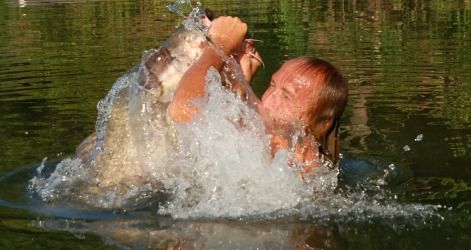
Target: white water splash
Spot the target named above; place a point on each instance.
(227, 167)
(366, 205)
(63, 182)
(419, 137)
(219, 165)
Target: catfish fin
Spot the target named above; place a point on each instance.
(84, 151)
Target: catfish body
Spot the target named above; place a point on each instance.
(133, 136)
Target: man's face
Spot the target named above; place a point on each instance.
(290, 96)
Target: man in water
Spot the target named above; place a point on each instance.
(306, 92)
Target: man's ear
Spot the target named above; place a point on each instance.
(327, 134)
(326, 125)
(323, 126)
(333, 141)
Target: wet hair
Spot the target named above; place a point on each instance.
(331, 87)
(329, 96)
(209, 14)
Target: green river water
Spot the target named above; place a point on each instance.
(408, 65)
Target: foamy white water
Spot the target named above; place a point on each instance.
(226, 163)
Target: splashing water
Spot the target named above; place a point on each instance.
(419, 137)
(218, 165)
(229, 170)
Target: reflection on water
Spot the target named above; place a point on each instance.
(168, 234)
(408, 64)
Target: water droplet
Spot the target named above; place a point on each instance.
(419, 137)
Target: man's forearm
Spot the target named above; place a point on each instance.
(192, 86)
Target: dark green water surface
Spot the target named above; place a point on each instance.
(409, 69)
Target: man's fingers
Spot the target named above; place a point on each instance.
(228, 33)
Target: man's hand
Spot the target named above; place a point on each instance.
(228, 33)
(249, 59)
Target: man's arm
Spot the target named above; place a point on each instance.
(227, 33)
(192, 86)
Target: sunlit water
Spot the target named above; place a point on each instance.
(392, 186)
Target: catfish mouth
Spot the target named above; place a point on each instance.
(153, 67)
(152, 72)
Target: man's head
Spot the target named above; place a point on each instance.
(311, 91)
